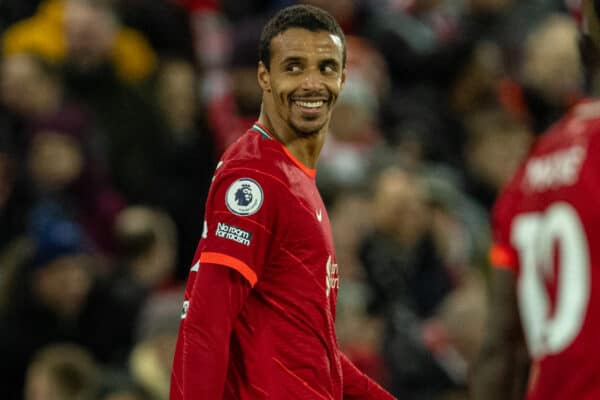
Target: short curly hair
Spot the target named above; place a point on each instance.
(298, 16)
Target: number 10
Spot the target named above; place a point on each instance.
(535, 236)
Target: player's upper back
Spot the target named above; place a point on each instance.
(547, 229)
(563, 165)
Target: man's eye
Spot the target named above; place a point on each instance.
(328, 69)
(293, 68)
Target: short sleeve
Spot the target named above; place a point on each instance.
(241, 214)
(502, 254)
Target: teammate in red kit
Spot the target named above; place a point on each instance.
(259, 309)
(547, 260)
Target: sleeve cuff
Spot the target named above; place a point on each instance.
(502, 257)
(231, 262)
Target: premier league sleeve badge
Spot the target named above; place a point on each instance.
(244, 197)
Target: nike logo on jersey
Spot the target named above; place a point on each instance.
(319, 215)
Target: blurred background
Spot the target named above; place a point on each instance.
(113, 114)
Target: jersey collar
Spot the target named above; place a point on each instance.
(265, 133)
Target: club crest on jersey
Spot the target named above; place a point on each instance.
(244, 197)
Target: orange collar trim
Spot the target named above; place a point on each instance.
(263, 130)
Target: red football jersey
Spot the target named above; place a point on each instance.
(547, 229)
(265, 218)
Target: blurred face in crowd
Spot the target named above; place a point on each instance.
(154, 263)
(496, 147)
(89, 33)
(40, 385)
(552, 63)
(400, 206)
(164, 345)
(61, 371)
(55, 160)
(177, 94)
(18, 82)
(354, 113)
(350, 217)
(304, 79)
(247, 93)
(64, 284)
(25, 88)
(350, 121)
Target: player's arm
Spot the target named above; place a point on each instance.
(241, 209)
(358, 385)
(501, 369)
(217, 297)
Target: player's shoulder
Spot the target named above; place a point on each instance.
(251, 149)
(561, 144)
(254, 157)
(249, 146)
(581, 123)
(566, 146)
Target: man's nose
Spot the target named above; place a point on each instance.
(312, 80)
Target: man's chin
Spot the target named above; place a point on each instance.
(308, 129)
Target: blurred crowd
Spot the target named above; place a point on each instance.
(113, 114)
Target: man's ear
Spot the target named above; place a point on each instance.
(343, 78)
(264, 77)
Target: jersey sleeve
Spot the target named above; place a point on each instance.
(358, 385)
(219, 295)
(241, 215)
(502, 254)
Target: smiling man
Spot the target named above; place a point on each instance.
(258, 319)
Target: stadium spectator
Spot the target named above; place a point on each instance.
(496, 143)
(62, 371)
(346, 156)
(235, 103)
(147, 242)
(151, 359)
(54, 295)
(408, 278)
(551, 74)
(189, 153)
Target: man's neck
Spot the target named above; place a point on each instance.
(304, 149)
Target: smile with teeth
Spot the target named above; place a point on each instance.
(310, 104)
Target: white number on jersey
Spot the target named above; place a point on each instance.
(535, 236)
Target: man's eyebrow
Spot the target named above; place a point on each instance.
(291, 59)
(330, 61)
